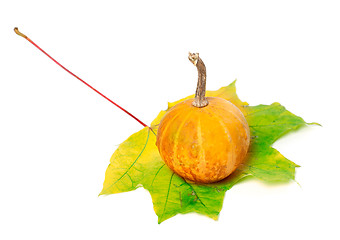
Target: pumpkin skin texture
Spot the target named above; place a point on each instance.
(205, 144)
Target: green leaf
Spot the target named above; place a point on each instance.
(270, 166)
(137, 163)
(269, 122)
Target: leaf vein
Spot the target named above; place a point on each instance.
(157, 174)
(167, 196)
(274, 124)
(147, 139)
(198, 198)
(264, 109)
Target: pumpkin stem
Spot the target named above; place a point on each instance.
(200, 99)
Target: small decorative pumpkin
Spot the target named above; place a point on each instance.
(203, 139)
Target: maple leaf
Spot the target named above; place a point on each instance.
(137, 163)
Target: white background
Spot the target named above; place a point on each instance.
(57, 136)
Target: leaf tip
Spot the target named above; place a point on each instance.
(100, 194)
(233, 83)
(161, 219)
(315, 123)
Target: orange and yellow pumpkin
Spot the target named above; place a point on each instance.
(203, 143)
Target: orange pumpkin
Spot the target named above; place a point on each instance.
(203, 139)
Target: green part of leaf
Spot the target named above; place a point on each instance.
(270, 166)
(172, 194)
(136, 162)
(268, 123)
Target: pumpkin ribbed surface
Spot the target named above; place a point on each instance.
(203, 144)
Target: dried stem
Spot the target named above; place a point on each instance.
(200, 99)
